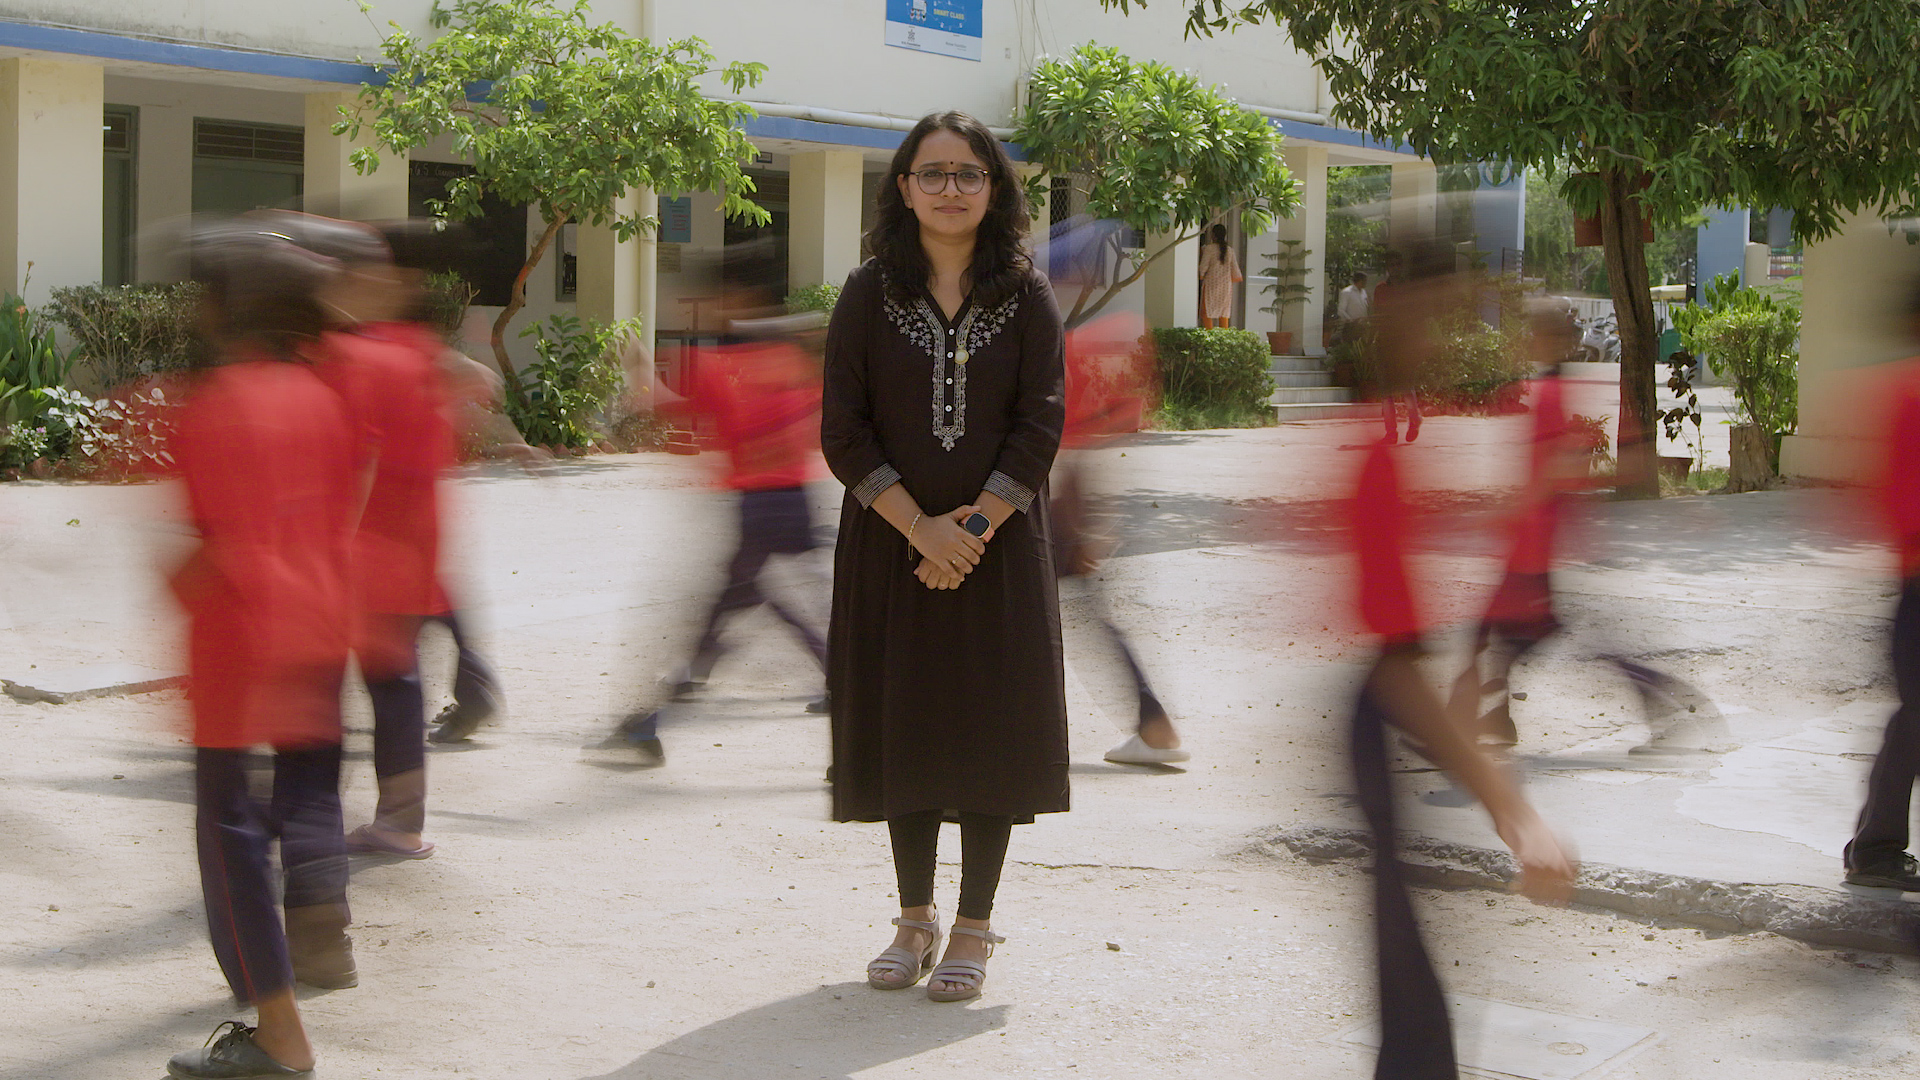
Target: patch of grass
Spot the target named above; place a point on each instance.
(1710, 480)
(1179, 416)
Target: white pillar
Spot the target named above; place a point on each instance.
(1852, 321)
(51, 170)
(619, 281)
(163, 166)
(1308, 225)
(1416, 197)
(1756, 267)
(823, 217)
(1172, 283)
(333, 187)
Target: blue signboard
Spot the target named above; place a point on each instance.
(676, 220)
(946, 27)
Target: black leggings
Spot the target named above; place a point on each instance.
(983, 851)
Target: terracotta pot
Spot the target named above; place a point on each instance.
(1281, 342)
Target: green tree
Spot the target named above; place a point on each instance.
(1662, 107)
(1150, 147)
(559, 113)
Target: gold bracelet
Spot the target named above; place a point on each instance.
(910, 528)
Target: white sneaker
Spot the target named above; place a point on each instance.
(1136, 752)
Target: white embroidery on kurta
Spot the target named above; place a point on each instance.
(922, 325)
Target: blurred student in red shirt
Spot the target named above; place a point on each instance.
(265, 451)
(1109, 382)
(1877, 855)
(761, 391)
(1416, 1034)
(1521, 615)
(469, 391)
(402, 443)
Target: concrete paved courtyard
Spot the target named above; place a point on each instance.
(584, 919)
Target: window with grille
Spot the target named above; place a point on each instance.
(234, 140)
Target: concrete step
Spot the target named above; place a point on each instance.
(1295, 363)
(1300, 378)
(1311, 395)
(1287, 414)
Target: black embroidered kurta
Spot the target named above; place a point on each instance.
(944, 700)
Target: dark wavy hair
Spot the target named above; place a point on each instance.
(1000, 261)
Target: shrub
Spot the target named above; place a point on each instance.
(1475, 370)
(1211, 377)
(130, 332)
(1752, 339)
(82, 436)
(568, 390)
(820, 297)
(448, 297)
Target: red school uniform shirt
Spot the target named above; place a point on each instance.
(764, 398)
(1381, 526)
(1109, 379)
(388, 374)
(1537, 525)
(265, 453)
(1898, 485)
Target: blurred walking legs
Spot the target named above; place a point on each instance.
(234, 832)
(399, 744)
(1877, 854)
(476, 691)
(1390, 415)
(1416, 1037)
(772, 522)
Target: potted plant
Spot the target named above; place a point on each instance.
(1751, 340)
(1286, 283)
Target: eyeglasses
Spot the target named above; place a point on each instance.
(969, 181)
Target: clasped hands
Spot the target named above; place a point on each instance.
(948, 552)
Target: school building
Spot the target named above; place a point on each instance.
(115, 118)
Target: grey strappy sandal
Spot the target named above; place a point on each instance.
(970, 973)
(898, 961)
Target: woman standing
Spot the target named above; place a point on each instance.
(1219, 270)
(942, 414)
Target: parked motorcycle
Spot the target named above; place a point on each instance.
(1599, 341)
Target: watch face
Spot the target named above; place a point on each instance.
(977, 524)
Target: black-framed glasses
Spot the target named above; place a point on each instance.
(968, 181)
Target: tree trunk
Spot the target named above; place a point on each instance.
(1622, 234)
(1752, 459)
(517, 299)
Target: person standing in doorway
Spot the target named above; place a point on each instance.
(1219, 272)
(944, 664)
(1351, 308)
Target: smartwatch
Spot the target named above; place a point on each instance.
(977, 523)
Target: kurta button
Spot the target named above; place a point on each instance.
(949, 331)
(949, 382)
(949, 408)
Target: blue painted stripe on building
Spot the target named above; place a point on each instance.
(173, 54)
(1294, 129)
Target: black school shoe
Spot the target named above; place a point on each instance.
(229, 1055)
(1900, 873)
(458, 721)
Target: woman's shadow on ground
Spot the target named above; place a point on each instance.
(827, 1034)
